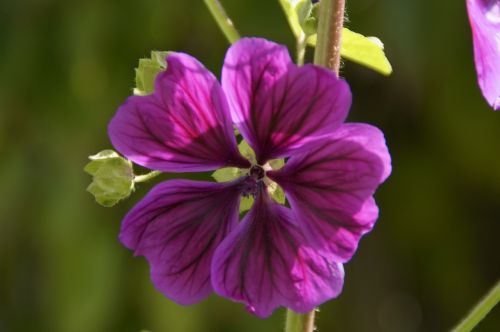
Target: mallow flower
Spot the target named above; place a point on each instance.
(288, 254)
(484, 17)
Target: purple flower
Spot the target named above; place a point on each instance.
(189, 230)
(484, 17)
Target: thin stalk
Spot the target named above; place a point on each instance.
(301, 48)
(480, 310)
(327, 54)
(330, 24)
(224, 22)
(299, 322)
(146, 177)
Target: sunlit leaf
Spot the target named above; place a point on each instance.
(367, 51)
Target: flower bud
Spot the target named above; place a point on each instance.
(113, 177)
(307, 13)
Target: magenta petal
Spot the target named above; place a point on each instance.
(330, 187)
(266, 263)
(277, 106)
(484, 17)
(177, 227)
(183, 126)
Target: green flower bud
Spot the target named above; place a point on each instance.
(308, 16)
(147, 71)
(113, 177)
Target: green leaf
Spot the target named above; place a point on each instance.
(289, 7)
(146, 72)
(367, 51)
(113, 177)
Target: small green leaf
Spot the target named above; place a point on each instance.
(113, 177)
(146, 72)
(367, 51)
(246, 203)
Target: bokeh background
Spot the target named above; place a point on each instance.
(65, 66)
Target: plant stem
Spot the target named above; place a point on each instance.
(146, 177)
(301, 48)
(480, 310)
(224, 22)
(327, 54)
(330, 24)
(299, 322)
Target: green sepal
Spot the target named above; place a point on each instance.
(276, 163)
(279, 195)
(146, 72)
(276, 192)
(227, 174)
(274, 189)
(113, 177)
(246, 203)
(307, 14)
(247, 152)
(230, 173)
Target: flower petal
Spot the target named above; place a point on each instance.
(330, 187)
(277, 106)
(183, 126)
(266, 262)
(177, 227)
(484, 17)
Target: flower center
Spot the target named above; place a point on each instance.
(257, 172)
(253, 182)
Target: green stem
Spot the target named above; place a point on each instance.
(480, 310)
(146, 177)
(327, 54)
(301, 48)
(299, 322)
(224, 22)
(330, 24)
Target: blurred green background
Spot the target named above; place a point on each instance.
(65, 66)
